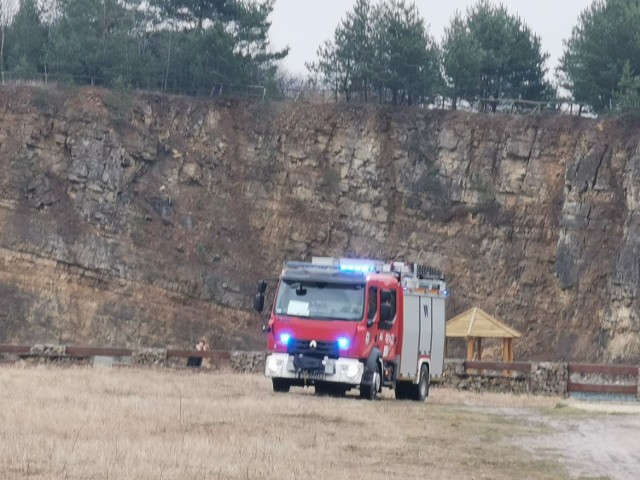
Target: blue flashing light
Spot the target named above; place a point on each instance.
(356, 268)
(285, 338)
(445, 293)
(343, 343)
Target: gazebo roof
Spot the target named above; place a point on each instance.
(478, 323)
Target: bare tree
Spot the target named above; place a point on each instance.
(290, 85)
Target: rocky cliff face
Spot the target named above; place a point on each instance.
(146, 220)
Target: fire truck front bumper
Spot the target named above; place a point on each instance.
(340, 370)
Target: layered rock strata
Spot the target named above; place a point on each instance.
(145, 220)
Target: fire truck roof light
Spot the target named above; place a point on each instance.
(357, 268)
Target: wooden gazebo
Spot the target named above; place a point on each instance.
(476, 324)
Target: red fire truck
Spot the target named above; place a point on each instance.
(340, 323)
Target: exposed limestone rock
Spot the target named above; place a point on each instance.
(191, 173)
(153, 232)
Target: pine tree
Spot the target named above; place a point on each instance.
(601, 44)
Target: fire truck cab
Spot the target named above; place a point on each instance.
(339, 323)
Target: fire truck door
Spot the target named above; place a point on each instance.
(426, 330)
(388, 329)
(439, 336)
(410, 336)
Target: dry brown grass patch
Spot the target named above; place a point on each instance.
(82, 423)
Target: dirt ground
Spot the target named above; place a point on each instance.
(99, 423)
(594, 440)
(590, 439)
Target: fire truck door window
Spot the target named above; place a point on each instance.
(373, 305)
(388, 297)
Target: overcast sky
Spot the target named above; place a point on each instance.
(304, 24)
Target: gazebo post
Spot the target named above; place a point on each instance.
(479, 346)
(505, 350)
(505, 354)
(511, 350)
(470, 342)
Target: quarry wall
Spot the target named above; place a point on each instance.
(145, 220)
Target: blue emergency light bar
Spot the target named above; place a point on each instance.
(346, 265)
(357, 268)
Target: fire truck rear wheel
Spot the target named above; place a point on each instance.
(281, 385)
(421, 391)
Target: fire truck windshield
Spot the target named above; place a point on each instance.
(319, 300)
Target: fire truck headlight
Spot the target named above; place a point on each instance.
(351, 371)
(343, 343)
(274, 365)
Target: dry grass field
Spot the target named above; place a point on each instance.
(96, 423)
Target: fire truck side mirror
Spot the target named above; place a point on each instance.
(262, 286)
(258, 302)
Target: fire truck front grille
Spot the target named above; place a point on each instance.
(313, 348)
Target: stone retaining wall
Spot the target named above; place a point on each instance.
(248, 362)
(241, 361)
(549, 378)
(150, 356)
(454, 376)
(545, 378)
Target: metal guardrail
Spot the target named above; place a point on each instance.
(523, 367)
(621, 370)
(94, 352)
(595, 388)
(82, 352)
(212, 354)
(630, 371)
(15, 349)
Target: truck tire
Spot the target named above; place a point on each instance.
(371, 390)
(281, 385)
(421, 390)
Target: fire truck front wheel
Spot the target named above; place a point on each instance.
(371, 389)
(281, 385)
